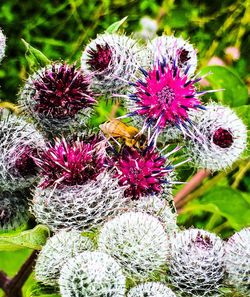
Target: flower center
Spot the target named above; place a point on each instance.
(24, 164)
(166, 96)
(183, 56)
(223, 138)
(203, 241)
(100, 58)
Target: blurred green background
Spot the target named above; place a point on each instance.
(60, 29)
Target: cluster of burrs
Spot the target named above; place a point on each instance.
(117, 183)
(143, 253)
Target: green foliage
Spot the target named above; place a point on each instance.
(225, 202)
(115, 26)
(38, 290)
(34, 57)
(33, 239)
(234, 92)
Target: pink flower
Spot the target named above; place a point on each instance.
(144, 172)
(164, 97)
(216, 61)
(99, 58)
(71, 163)
(233, 52)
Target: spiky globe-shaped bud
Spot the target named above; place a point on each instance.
(69, 163)
(218, 139)
(80, 207)
(196, 262)
(56, 252)
(19, 142)
(151, 289)
(158, 208)
(137, 241)
(112, 59)
(175, 49)
(2, 44)
(143, 172)
(237, 260)
(13, 210)
(92, 274)
(57, 97)
(163, 96)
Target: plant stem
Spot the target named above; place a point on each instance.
(13, 287)
(195, 181)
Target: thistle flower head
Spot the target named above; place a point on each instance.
(13, 210)
(144, 172)
(175, 49)
(69, 163)
(196, 262)
(159, 208)
(112, 59)
(19, 142)
(151, 289)
(79, 207)
(137, 241)
(92, 274)
(218, 139)
(56, 94)
(163, 97)
(237, 260)
(56, 252)
(2, 44)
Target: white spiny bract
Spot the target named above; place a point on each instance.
(196, 262)
(158, 208)
(56, 252)
(13, 210)
(151, 289)
(174, 49)
(58, 97)
(79, 207)
(92, 274)
(112, 59)
(137, 241)
(237, 260)
(2, 44)
(19, 141)
(218, 138)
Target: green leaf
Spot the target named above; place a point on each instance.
(235, 92)
(33, 239)
(40, 290)
(115, 26)
(35, 58)
(228, 203)
(244, 113)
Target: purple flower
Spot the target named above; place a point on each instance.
(71, 163)
(23, 162)
(164, 97)
(223, 138)
(99, 58)
(56, 94)
(144, 172)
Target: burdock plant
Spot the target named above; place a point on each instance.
(107, 200)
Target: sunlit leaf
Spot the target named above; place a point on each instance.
(235, 92)
(115, 26)
(228, 203)
(33, 239)
(34, 57)
(39, 290)
(244, 113)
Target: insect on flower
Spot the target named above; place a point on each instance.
(129, 134)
